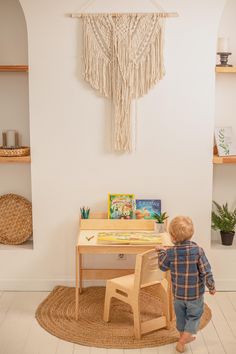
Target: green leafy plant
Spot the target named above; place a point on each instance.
(84, 211)
(160, 218)
(223, 219)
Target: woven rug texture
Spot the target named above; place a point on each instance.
(56, 314)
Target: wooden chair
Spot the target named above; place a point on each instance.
(127, 289)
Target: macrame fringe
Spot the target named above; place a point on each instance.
(97, 68)
(121, 71)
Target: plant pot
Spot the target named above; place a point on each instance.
(227, 238)
(160, 227)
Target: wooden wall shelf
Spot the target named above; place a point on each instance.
(14, 68)
(218, 160)
(21, 159)
(226, 69)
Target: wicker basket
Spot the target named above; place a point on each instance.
(21, 151)
(15, 219)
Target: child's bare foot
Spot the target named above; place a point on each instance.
(180, 347)
(185, 338)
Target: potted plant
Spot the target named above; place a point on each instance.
(160, 222)
(224, 220)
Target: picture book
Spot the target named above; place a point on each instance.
(147, 208)
(225, 141)
(121, 206)
(129, 238)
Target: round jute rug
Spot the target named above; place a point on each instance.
(56, 314)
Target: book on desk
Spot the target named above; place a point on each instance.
(129, 238)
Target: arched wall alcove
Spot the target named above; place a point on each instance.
(69, 168)
(224, 176)
(14, 98)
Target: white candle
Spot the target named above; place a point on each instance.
(4, 139)
(223, 45)
(16, 139)
(11, 138)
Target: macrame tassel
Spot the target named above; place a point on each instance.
(123, 60)
(151, 69)
(121, 94)
(97, 67)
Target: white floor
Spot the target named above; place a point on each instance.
(21, 334)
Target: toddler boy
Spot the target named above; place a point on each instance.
(190, 272)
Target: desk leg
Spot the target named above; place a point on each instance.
(80, 273)
(76, 283)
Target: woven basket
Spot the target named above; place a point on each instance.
(15, 219)
(22, 151)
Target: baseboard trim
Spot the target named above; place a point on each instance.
(42, 284)
(49, 284)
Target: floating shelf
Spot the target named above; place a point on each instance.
(216, 245)
(14, 68)
(20, 159)
(28, 245)
(224, 159)
(226, 69)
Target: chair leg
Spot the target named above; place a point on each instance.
(164, 297)
(137, 323)
(107, 305)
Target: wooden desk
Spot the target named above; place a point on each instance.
(98, 223)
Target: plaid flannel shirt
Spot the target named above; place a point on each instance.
(190, 270)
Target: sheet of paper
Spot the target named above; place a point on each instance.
(225, 141)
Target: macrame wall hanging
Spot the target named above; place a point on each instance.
(123, 60)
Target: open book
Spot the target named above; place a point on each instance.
(129, 238)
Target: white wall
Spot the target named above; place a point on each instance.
(225, 107)
(14, 94)
(71, 163)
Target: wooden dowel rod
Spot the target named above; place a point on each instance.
(160, 14)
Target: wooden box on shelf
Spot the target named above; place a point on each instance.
(100, 221)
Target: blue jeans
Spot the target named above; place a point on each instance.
(188, 314)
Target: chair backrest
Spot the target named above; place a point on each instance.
(147, 271)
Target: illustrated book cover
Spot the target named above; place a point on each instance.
(225, 141)
(129, 238)
(147, 208)
(121, 206)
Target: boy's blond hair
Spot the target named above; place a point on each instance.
(181, 228)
